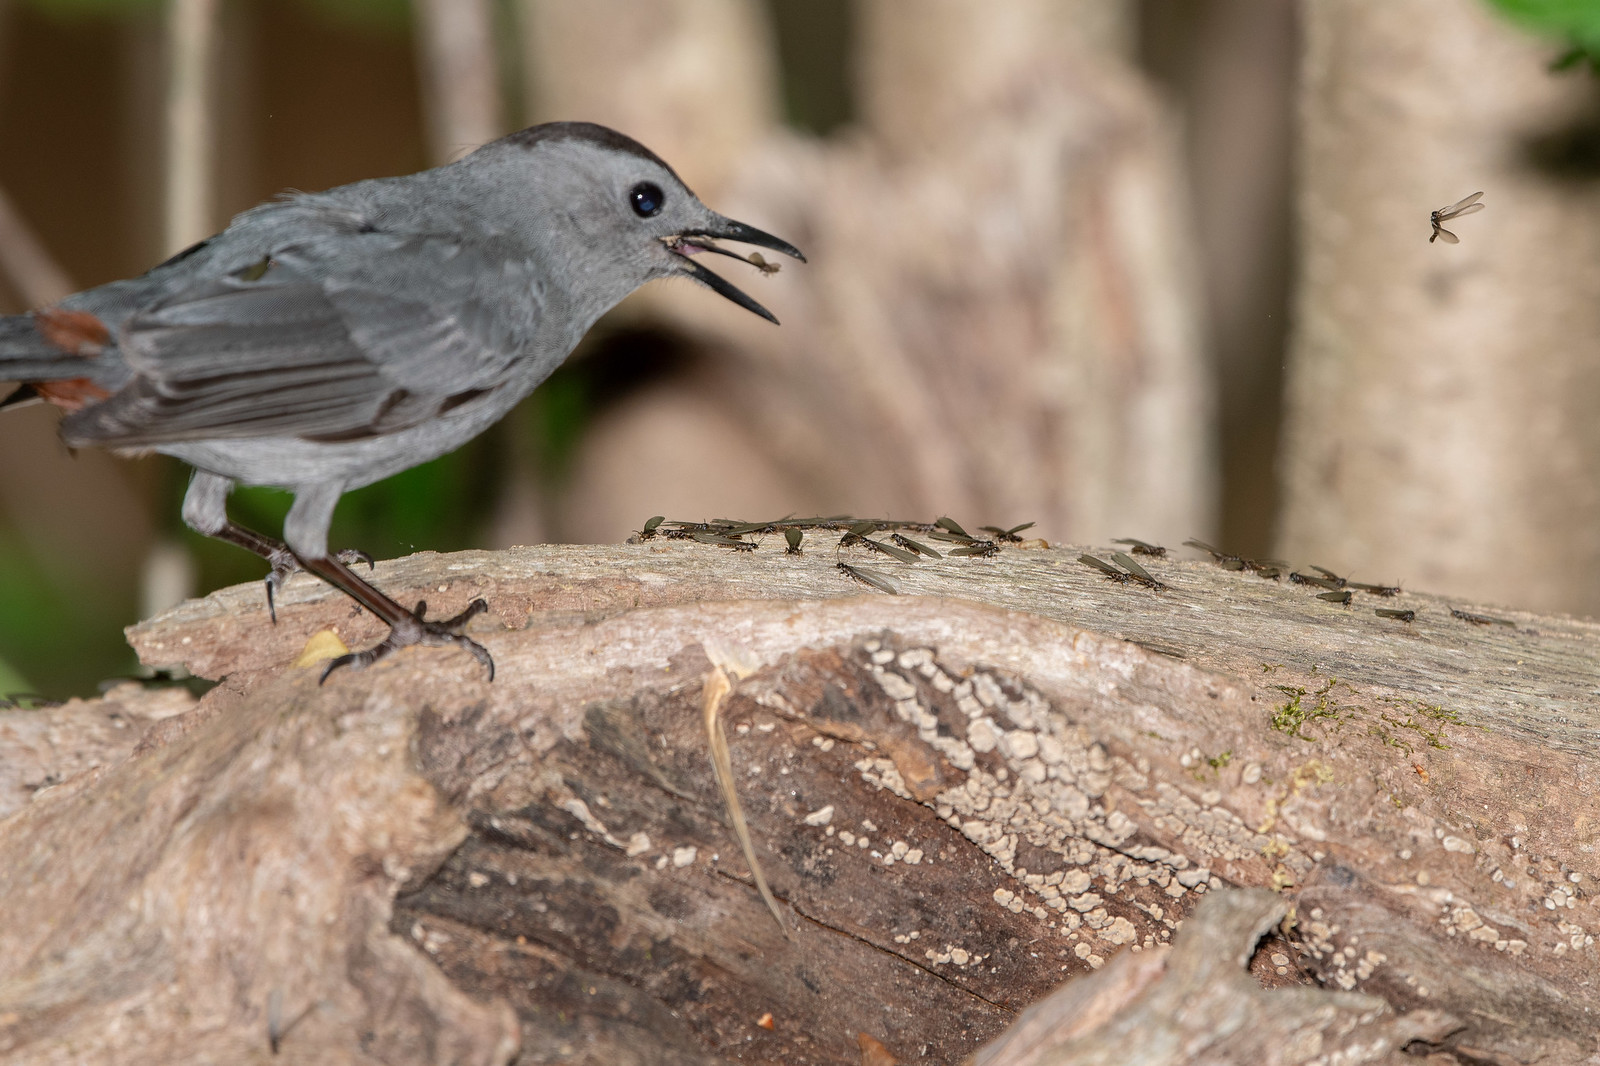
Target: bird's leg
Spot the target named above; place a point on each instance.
(305, 547)
(406, 628)
(277, 553)
(205, 510)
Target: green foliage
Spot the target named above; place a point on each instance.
(1575, 21)
(557, 413)
(363, 14)
(61, 635)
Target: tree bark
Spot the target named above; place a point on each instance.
(962, 796)
(1440, 402)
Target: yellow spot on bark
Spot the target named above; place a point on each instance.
(323, 645)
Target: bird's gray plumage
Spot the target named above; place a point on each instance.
(328, 340)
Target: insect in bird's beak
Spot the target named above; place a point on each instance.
(692, 242)
(1465, 206)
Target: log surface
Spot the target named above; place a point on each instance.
(1535, 678)
(962, 798)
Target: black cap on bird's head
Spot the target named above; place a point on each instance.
(640, 196)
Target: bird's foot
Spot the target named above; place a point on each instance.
(415, 630)
(285, 566)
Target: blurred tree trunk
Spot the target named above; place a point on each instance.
(460, 76)
(26, 265)
(191, 167)
(1441, 397)
(192, 93)
(998, 316)
(1229, 66)
(692, 79)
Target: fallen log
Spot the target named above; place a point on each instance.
(1015, 774)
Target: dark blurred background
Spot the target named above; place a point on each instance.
(1055, 273)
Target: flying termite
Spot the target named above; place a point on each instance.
(766, 266)
(1465, 206)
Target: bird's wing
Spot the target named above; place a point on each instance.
(341, 338)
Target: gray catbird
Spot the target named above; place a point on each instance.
(328, 340)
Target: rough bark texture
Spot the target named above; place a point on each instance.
(962, 798)
(1441, 397)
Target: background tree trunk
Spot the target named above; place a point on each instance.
(935, 354)
(958, 805)
(1441, 397)
(460, 76)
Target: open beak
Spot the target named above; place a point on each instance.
(691, 242)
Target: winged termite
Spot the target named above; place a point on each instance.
(755, 259)
(1376, 590)
(1312, 579)
(277, 1027)
(952, 526)
(1008, 535)
(1338, 582)
(793, 536)
(1226, 560)
(275, 1019)
(650, 525)
(725, 542)
(888, 549)
(1137, 572)
(1341, 597)
(868, 577)
(1478, 619)
(1105, 568)
(1397, 615)
(916, 546)
(742, 528)
(1465, 206)
(766, 266)
(1139, 547)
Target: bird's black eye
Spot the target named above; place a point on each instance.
(646, 198)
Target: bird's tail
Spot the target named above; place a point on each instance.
(52, 352)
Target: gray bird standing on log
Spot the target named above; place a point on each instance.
(328, 340)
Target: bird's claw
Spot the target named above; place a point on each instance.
(285, 566)
(418, 631)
